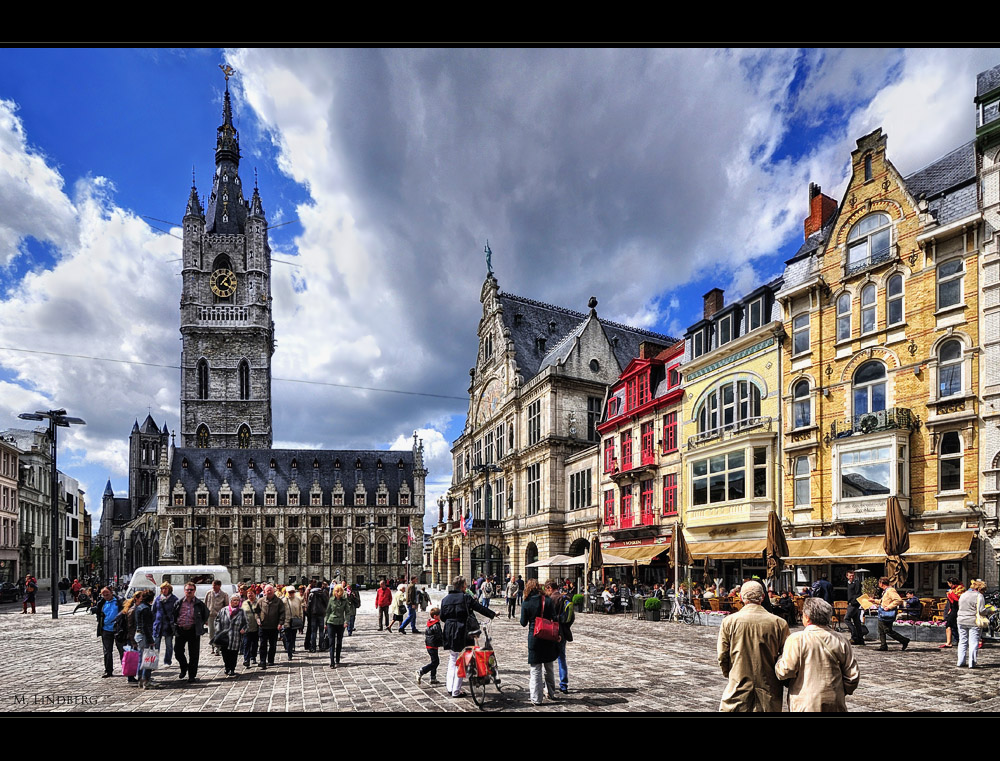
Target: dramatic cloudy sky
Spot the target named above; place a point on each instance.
(644, 177)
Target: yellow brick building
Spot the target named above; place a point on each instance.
(880, 380)
(731, 419)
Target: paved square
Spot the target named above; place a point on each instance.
(615, 664)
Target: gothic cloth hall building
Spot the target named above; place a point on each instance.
(225, 497)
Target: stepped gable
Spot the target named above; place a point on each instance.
(259, 476)
(528, 320)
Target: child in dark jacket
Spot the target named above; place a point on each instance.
(433, 639)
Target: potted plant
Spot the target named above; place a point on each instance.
(652, 606)
(578, 601)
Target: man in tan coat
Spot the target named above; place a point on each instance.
(819, 662)
(749, 645)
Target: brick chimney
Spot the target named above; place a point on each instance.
(714, 301)
(821, 209)
(648, 349)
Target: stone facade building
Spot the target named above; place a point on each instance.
(225, 497)
(882, 376)
(987, 104)
(10, 536)
(536, 397)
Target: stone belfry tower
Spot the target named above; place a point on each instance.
(227, 332)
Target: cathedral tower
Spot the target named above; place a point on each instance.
(227, 332)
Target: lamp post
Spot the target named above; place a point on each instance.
(57, 419)
(486, 470)
(371, 545)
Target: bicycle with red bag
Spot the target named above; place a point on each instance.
(478, 666)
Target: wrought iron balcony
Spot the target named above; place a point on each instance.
(759, 423)
(893, 419)
(880, 256)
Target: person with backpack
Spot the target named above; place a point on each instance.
(316, 602)
(107, 609)
(565, 615)
(433, 639)
(486, 592)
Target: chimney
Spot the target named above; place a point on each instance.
(648, 349)
(714, 301)
(821, 210)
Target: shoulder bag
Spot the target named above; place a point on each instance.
(545, 629)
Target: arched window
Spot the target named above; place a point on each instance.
(868, 321)
(868, 242)
(801, 412)
(202, 379)
(270, 551)
(244, 377)
(843, 317)
(730, 405)
(247, 551)
(950, 368)
(949, 279)
(950, 462)
(202, 436)
(894, 300)
(244, 437)
(869, 388)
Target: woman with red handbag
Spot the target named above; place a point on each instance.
(538, 614)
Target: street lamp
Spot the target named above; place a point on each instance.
(371, 546)
(56, 418)
(486, 470)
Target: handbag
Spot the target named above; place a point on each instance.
(130, 662)
(886, 615)
(150, 659)
(545, 628)
(295, 622)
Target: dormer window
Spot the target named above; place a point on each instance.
(357, 464)
(316, 464)
(725, 329)
(273, 464)
(295, 464)
(229, 463)
(755, 314)
(251, 464)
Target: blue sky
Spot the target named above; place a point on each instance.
(643, 177)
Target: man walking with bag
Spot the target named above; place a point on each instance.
(565, 615)
(192, 614)
(888, 606)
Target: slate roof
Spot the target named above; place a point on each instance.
(987, 80)
(948, 184)
(149, 426)
(121, 510)
(528, 320)
(814, 242)
(327, 474)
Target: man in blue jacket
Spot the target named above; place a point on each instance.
(107, 609)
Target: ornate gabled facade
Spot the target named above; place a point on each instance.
(535, 399)
(731, 416)
(292, 514)
(640, 459)
(882, 377)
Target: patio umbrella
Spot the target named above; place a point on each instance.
(679, 550)
(596, 561)
(776, 547)
(896, 542)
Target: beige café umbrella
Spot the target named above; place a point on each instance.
(896, 542)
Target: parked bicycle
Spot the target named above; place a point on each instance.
(686, 613)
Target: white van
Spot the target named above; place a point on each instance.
(150, 577)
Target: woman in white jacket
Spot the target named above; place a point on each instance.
(969, 604)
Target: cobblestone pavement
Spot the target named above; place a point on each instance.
(615, 664)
